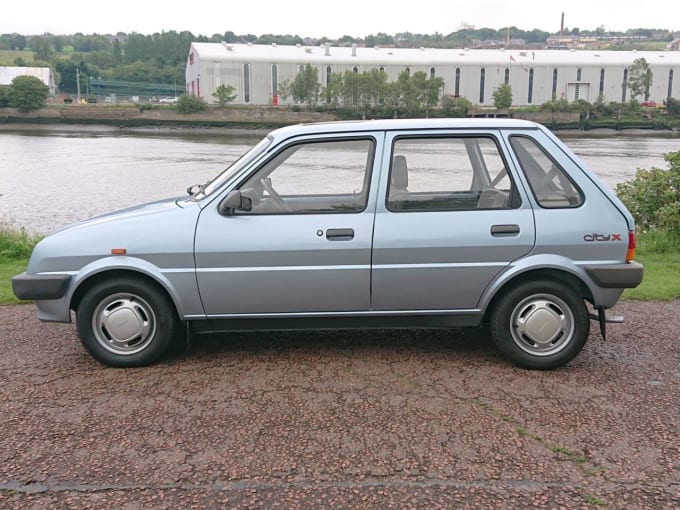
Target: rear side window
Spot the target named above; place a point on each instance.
(550, 184)
(449, 174)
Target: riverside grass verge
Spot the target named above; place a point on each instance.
(657, 251)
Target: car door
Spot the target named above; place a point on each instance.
(450, 219)
(301, 243)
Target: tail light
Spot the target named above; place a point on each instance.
(630, 254)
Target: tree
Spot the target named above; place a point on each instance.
(27, 93)
(4, 96)
(416, 93)
(333, 90)
(378, 39)
(502, 96)
(224, 94)
(640, 78)
(306, 87)
(117, 52)
(284, 90)
(42, 48)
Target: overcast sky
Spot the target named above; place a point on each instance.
(317, 18)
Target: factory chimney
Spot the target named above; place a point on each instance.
(562, 25)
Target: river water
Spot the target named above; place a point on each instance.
(56, 176)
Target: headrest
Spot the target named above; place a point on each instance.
(399, 176)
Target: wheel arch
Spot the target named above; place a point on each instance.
(92, 280)
(547, 273)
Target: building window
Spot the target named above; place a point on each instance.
(456, 90)
(432, 72)
(670, 83)
(482, 76)
(507, 75)
(624, 85)
(530, 96)
(578, 74)
(602, 82)
(191, 58)
(554, 84)
(275, 80)
(355, 69)
(246, 83)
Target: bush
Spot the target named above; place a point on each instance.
(16, 243)
(653, 196)
(672, 107)
(453, 106)
(190, 104)
(556, 105)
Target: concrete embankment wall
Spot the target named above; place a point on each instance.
(132, 115)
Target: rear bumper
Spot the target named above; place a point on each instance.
(36, 287)
(616, 276)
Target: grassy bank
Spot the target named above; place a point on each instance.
(15, 248)
(657, 251)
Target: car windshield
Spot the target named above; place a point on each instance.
(233, 169)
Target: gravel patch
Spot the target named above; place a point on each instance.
(386, 419)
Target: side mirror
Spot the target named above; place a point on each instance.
(234, 201)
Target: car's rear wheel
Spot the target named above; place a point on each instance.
(126, 322)
(540, 325)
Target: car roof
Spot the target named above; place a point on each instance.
(400, 125)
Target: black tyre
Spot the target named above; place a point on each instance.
(540, 325)
(126, 322)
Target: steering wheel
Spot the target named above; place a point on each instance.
(281, 203)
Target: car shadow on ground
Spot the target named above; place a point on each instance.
(469, 342)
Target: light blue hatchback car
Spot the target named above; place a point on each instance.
(373, 224)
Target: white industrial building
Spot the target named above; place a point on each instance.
(44, 74)
(256, 71)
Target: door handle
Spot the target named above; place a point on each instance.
(340, 234)
(500, 230)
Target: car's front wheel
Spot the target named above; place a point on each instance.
(540, 324)
(126, 322)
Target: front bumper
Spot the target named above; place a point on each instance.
(37, 287)
(616, 276)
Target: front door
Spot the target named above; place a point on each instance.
(302, 242)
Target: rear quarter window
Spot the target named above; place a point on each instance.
(550, 184)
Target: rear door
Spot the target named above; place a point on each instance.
(450, 218)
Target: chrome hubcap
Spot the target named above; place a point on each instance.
(124, 323)
(542, 325)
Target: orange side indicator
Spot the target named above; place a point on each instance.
(118, 251)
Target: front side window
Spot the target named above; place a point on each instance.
(449, 174)
(313, 177)
(549, 182)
